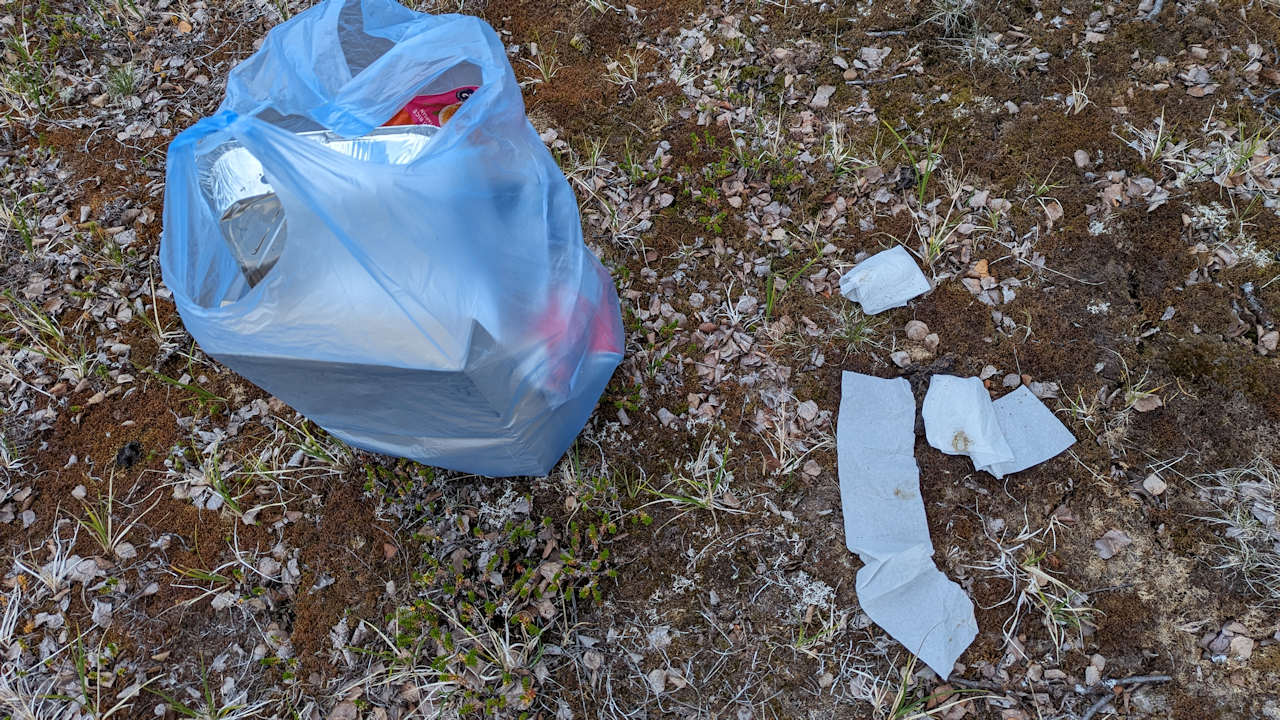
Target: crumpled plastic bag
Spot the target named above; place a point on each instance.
(429, 295)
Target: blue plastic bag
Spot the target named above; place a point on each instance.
(418, 292)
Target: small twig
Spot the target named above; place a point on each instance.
(1155, 10)
(1094, 708)
(884, 33)
(1144, 679)
(1056, 272)
(875, 81)
(1108, 588)
(1109, 696)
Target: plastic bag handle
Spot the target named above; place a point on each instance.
(387, 84)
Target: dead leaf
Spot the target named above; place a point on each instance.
(1111, 543)
(1144, 402)
(1052, 211)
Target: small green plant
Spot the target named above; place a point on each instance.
(122, 81)
(27, 85)
(213, 582)
(855, 330)
(771, 293)
(100, 522)
(905, 704)
(704, 485)
(16, 220)
(211, 707)
(546, 62)
(46, 338)
(923, 166)
(93, 679)
(207, 401)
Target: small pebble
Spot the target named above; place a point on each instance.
(79, 492)
(1012, 380)
(1154, 484)
(917, 330)
(932, 341)
(901, 358)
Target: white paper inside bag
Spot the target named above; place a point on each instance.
(899, 587)
(959, 419)
(885, 280)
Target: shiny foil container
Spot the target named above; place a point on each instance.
(249, 212)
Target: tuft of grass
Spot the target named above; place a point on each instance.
(12, 462)
(1243, 502)
(856, 330)
(213, 707)
(45, 337)
(546, 62)
(1152, 145)
(27, 84)
(955, 17)
(839, 149)
(1062, 610)
(624, 71)
(905, 700)
(122, 81)
(207, 401)
(99, 521)
(773, 295)
(923, 164)
(703, 486)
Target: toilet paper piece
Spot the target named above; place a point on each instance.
(1012, 434)
(885, 280)
(1031, 429)
(899, 587)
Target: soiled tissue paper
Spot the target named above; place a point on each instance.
(1001, 437)
(899, 587)
(885, 280)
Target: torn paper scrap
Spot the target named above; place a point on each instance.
(1031, 429)
(885, 280)
(899, 587)
(959, 419)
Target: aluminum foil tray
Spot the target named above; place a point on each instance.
(249, 212)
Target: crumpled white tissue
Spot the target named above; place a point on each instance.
(899, 587)
(885, 280)
(960, 420)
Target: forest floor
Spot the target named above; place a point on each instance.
(1092, 188)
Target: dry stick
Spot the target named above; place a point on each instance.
(1155, 10)
(875, 81)
(1137, 680)
(884, 33)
